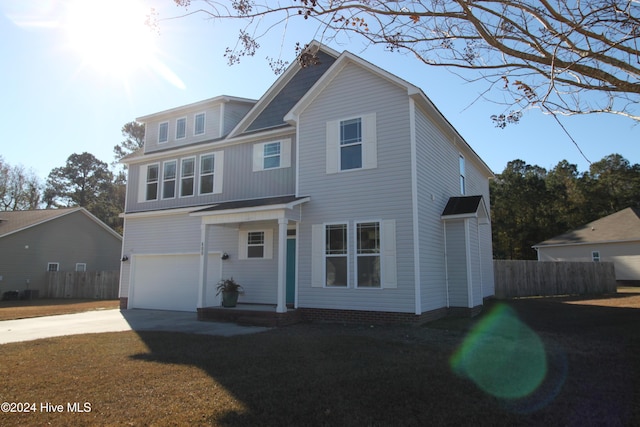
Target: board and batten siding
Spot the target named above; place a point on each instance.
(240, 182)
(377, 194)
(181, 234)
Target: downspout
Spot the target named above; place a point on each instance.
(414, 208)
(446, 262)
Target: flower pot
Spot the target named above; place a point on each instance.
(229, 299)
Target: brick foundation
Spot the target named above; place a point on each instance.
(369, 317)
(124, 303)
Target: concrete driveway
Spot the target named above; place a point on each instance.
(113, 321)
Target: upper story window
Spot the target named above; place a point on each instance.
(187, 175)
(163, 132)
(181, 128)
(595, 256)
(169, 179)
(151, 192)
(207, 169)
(352, 144)
(81, 266)
(463, 184)
(53, 266)
(272, 155)
(198, 125)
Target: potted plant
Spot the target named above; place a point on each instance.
(230, 290)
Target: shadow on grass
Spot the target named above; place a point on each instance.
(352, 375)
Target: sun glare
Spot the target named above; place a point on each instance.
(110, 36)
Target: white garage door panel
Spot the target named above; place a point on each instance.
(170, 282)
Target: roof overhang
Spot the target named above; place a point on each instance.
(272, 208)
(466, 207)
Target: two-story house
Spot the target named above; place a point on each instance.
(342, 193)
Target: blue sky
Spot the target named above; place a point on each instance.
(59, 99)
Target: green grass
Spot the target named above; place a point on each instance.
(326, 375)
(22, 309)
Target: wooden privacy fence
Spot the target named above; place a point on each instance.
(83, 284)
(543, 278)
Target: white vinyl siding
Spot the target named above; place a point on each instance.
(199, 124)
(349, 138)
(272, 155)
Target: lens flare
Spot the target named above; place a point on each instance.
(502, 356)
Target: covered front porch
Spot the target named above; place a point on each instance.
(264, 231)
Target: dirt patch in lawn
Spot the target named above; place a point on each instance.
(22, 309)
(544, 361)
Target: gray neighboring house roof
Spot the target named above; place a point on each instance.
(622, 226)
(15, 221)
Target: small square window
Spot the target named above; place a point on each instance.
(595, 256)
(81, 266)
(255, 244)
(53, 266)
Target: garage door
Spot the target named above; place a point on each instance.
(170, 282)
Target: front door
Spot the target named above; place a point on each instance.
(291, 271)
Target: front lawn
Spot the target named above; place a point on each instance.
(314, 374)
(21, 309)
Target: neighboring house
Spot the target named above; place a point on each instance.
(614, 238)
(342, 192)
(37, 241)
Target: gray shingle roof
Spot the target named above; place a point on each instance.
(623, 225)
(12, 221)
(462, 205)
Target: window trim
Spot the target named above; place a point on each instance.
(243, 243)
(147, 182)
(369, 143)
(325, 255)
(462, 166)
(358, 255)
(195, 123)
(596, 256)
(178, 120)
(84, 266)
(192, 176)
(285, 155)
(166, 139)
(164, 180)
(49, 264)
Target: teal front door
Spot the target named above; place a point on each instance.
(291, 271)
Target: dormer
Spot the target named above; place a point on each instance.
(203, 121)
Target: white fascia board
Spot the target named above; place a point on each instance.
(278, 207)
(599, 242)
(165, 212)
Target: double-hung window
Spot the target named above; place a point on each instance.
(368, 255)
(207, 170)
(255, 244)
(151, 188)
(351, 144)
(181, 128)
(271, 155)
(198, 125)
(169, 179)
(187, 174)
(163, 132)
(336, 255)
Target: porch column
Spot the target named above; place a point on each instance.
(204, 249)
(282, 265)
